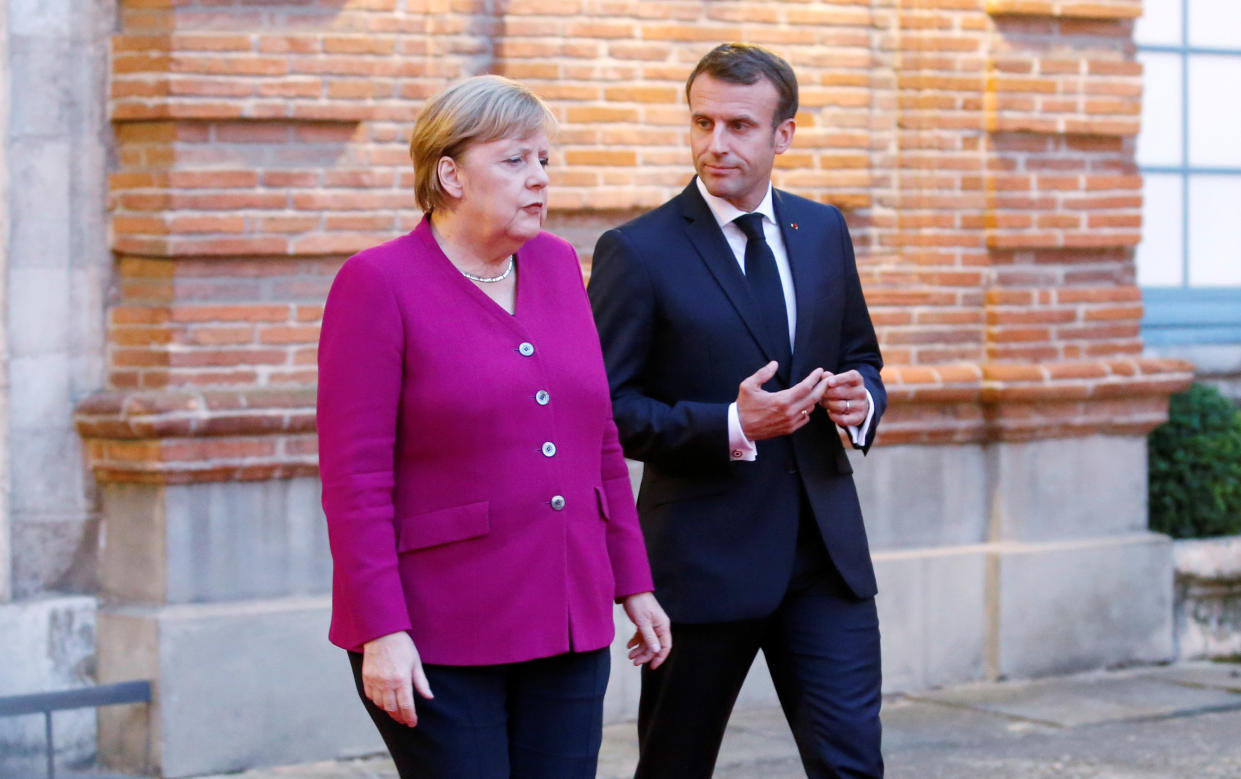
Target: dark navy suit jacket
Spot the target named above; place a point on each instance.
(680, 331)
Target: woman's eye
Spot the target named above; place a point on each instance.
(544, 161)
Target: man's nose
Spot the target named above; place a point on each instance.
(719, 141)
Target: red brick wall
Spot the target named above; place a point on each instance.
(983, 152)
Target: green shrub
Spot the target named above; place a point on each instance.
(1195, 466)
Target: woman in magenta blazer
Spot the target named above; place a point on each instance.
(478, 505)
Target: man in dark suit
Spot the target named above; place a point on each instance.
(738, 346)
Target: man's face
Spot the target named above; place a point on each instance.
(732, 138)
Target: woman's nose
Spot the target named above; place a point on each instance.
(539, 178)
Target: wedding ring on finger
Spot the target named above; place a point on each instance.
(805, 412)
(846, 407)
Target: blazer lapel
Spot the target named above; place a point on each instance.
(805, 270)
(715, 252)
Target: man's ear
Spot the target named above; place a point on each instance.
(784, 135)
(449, 176)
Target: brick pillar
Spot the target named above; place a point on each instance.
(1018, 209)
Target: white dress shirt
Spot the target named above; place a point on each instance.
(740, 447)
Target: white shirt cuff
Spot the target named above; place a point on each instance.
(740, 447)
(857, 433)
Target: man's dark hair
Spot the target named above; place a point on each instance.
(745, 63)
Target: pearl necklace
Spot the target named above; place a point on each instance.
(492, 279)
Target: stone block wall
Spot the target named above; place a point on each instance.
(57, 262)
(54, 268)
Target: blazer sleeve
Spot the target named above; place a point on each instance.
(859, 348)
(361, 348)
(669, 436)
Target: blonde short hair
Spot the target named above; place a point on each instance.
(476, 110)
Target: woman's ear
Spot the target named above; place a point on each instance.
(449, 176)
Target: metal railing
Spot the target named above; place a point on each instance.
(85, 697)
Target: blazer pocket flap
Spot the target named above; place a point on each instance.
(419, 531)
(604, 510)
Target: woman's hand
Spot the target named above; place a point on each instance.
(390, 666)
(652, 640)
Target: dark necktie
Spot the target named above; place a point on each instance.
(764, 280)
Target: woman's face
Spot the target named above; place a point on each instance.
(504, 187)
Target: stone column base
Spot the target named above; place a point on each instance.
(1016, 610)
(1076, 605)
(932, 615)
(236, 686)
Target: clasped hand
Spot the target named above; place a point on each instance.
(770, 414)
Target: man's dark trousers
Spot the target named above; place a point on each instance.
(822, 648)
(769, 554)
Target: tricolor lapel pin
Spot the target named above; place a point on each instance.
(793, 225)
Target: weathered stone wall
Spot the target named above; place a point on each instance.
(59, 265)
(49, 644)
(1208, 598)
(6, 560)
(55, 268)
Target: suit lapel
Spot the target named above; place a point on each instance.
(715, 252)
(804, 269)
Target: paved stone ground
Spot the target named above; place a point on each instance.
(1165, 722)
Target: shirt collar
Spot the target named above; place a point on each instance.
(725, 212)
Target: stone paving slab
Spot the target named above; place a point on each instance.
(1088, 699)
(756, 736)
(1203, 746)
(378, 767)
(915, 724)
(1223, 676)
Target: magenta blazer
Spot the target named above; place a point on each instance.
(475, 492)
